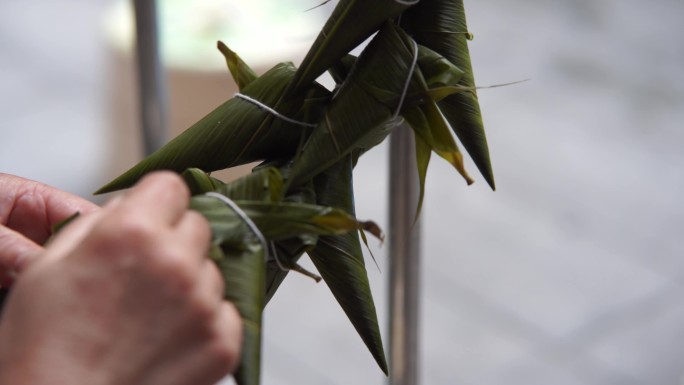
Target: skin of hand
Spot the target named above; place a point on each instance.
(28, 210)
(123, 295)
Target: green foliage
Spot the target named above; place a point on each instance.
(441, 26)
(416, 71)
(340, 261)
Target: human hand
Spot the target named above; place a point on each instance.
(28, 210)
(123, 295)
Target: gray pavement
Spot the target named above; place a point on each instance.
(571, 273)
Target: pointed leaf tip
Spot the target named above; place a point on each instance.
(241, 72)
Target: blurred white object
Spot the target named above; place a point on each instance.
(262, 32)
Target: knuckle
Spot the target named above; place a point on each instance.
(135, 229)
(168, 180)
(232, 316)
(225, 353)
(203, 312)
(214, 275)
(175, 267)
(125, 230)
(199, 222)
(225, 337)
(197, 227)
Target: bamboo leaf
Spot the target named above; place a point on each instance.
(241, 72)
(356, 120)
(283, 258)
(441, 26)
(340, 262)
(429, 124)
(434, 79)
(337, 260)
(199, 182)
(364, 239)
(264, 184)
(277, 221)
(351, 22)
(243, 270)
(288, 251)
(57, 227)
(235, 133)
(423, 154)
(340, 70)
(437, 70)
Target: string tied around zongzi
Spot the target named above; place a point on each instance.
(408, 80)
(272, 111)
(245, 218)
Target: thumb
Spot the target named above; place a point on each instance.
(74, 233)
(70, 236)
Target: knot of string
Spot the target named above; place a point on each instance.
(272, 111)
(408, 81)
(228, 202)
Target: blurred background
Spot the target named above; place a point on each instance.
(571, 273)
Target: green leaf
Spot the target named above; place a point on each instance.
(357, 119)
(434, 78)
(243, 270)
(276, 220)
(241, 72)
(199, 182)
(242, 263)
(423, 154)
(351, 22)
(288, 251)
(264, 184)
(429, 124)
(340, 262)
(56, 228)
(235, 133)
(340, 70)
(437, 70)
(441, 26)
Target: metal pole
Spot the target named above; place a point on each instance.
(152, 87)
(404, 249)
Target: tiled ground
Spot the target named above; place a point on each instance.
(571, 273)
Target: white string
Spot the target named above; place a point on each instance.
(404, 2)
(408, 80)
(244, 217)
(272, 111)
(274, 251)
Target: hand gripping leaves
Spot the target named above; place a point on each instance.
(415, 71)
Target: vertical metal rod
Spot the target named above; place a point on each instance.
(404, 249)
(151, 80)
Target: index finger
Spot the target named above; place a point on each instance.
(31, 208)
(159, 196)
(15, 249)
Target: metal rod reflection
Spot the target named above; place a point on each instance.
(152, 86)
(404, 251)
